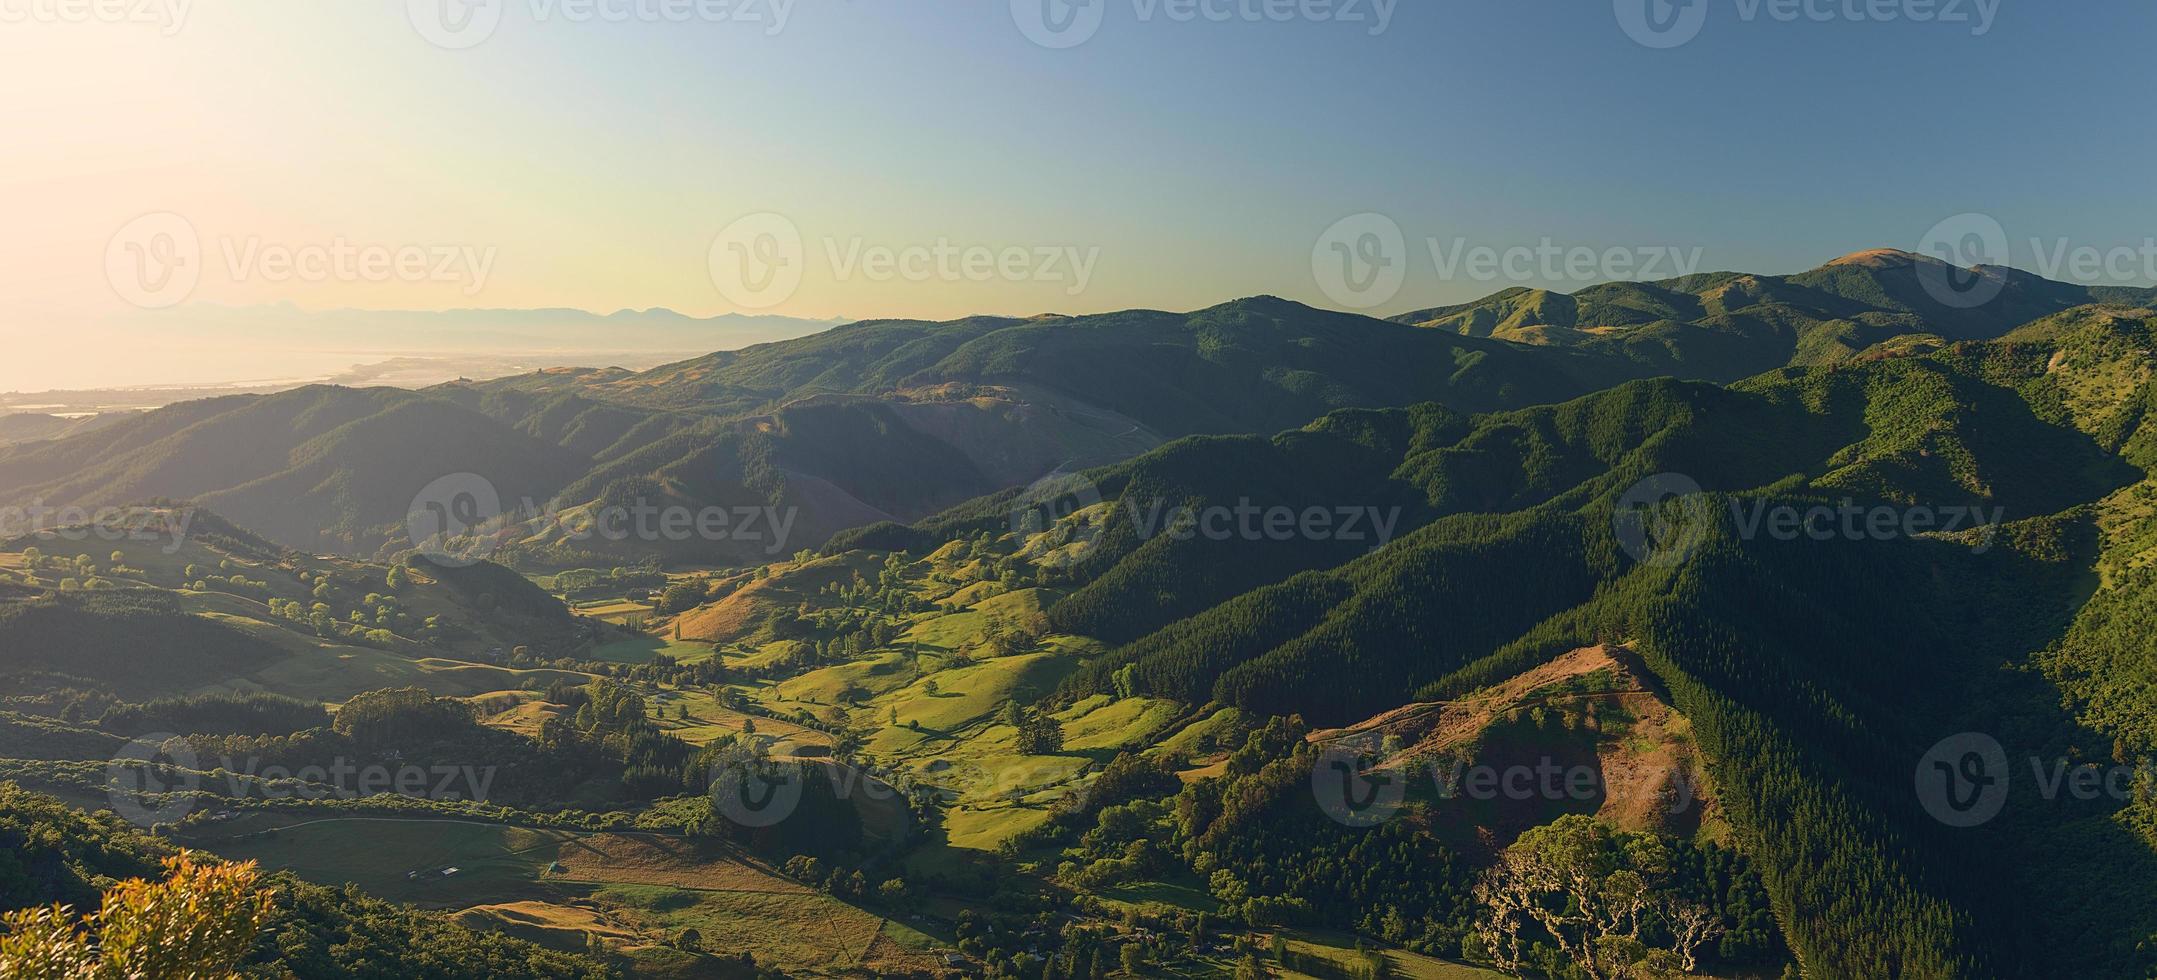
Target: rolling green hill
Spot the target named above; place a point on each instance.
(1814, 672)
(900, 420)
(874, 421)
(1724, 326)
(1095, 718)
(225, 611)
(30, 427)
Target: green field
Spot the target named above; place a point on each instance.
(968, 694)
(708, 721)
(957, 631)
(319, 670)
(875, 674)
(1106, 724)
(643, 650)
(495, 863)
(951, 739)
(640, 887)
(803, 931)
(1340, 951)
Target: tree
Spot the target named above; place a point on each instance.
(1589, 890)
(1692, 926)
(1041, 735)
(680, 597)
(199, 922)
(1134, 960)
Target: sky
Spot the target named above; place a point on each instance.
(939, 158)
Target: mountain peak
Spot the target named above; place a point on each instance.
(1268, 304)
(1879, 258)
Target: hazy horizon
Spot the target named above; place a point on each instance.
(819, 163)
(255, 347)
(1078, 489)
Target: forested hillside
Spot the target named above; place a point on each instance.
(1215, 696)
(1816, 669)
(1728, 325)
(872, 421)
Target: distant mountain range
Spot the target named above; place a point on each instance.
(34, 427)
(897, 420)
(499, 331)
(1731, 325)
(145, 356)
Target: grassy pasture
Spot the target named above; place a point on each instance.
(971, 693)
(495, 863)
(1104, 724)
(708, 721)
(319, 670)
(795, 932)
(1340, 950)
(554, 886)
(643, 650)
(613, 610)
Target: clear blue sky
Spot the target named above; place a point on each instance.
(1203, 160)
